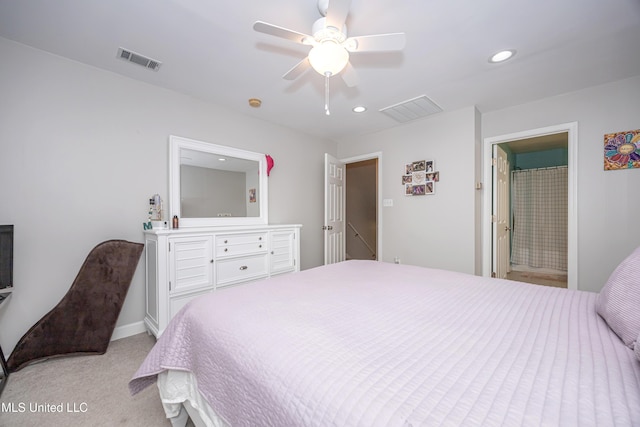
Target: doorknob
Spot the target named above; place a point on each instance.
(327, 227)
(507, 228)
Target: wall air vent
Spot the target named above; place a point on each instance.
(136, 58)
(412, 109)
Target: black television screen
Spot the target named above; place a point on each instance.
(6, 256)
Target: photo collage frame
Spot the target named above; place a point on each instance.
(420, 178)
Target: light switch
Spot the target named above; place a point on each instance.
(387, 203)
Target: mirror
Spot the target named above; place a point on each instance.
(214, 185)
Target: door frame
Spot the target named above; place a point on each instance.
(572, 194)
(375, 155)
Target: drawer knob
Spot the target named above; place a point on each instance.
(259, 238)
(225, 241)
(259, 246)
(226, 249)
(243, 267)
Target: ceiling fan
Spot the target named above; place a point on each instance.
(330, 45)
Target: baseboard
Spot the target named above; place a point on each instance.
(125, 331)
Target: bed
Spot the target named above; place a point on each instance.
(366, 343)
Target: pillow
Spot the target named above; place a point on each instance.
(619, 300)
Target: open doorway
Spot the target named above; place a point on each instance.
(537, 203)
(361, 236)
(365, 213)
(535, 140)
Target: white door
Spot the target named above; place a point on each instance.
(500, 213)
(334, 210)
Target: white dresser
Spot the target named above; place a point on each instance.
(182, 264)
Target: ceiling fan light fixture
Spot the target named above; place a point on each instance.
(328, 58)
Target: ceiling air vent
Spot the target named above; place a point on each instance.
(412, 109)
(136, 58)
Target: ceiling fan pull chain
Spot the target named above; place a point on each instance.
(326, 94)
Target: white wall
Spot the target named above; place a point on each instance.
(437, 230)
(608, 202)
(82, 151)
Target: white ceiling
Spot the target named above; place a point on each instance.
(209, 50)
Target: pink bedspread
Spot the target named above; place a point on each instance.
(364, 343)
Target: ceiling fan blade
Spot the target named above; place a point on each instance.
(282, 32)
(376, 43)
(297, 69)
(349, 75)
(337, 13)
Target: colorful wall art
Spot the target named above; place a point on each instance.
(622, 150)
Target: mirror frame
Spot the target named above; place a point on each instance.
(177, 143)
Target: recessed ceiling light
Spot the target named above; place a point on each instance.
(359, 109)
(503, 55)
(255, 102)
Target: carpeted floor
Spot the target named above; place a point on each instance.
(89, 391)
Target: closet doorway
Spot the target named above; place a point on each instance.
(543, 160)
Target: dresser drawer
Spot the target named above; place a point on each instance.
(241, 244)
(243, 269)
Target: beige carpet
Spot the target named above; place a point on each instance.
(90, 391)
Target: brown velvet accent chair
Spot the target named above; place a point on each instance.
(84, 320)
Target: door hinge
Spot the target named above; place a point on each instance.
(169, 284)
(494, 218)
(169, 246)
(494, 161)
